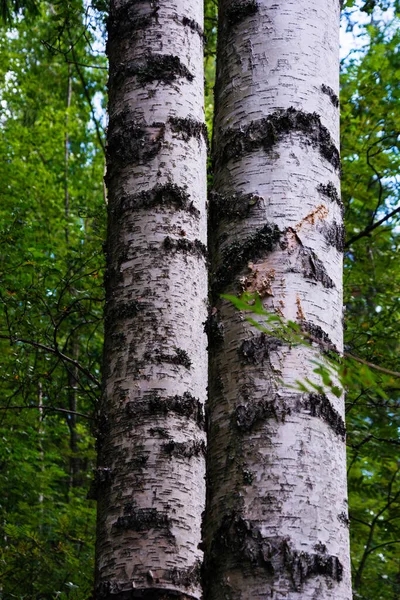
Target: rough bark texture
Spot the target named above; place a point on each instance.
(150, 477)
(276, 518)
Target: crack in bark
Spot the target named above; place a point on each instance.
(329, 92)
(243, 542)
(231, 207)
(185, 449)
(237, 255)
(239, 10)
(164, 196)
(194, 247)
(267, 132)
(185, 406)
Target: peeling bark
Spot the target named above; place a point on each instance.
(149, 482)
(275, 523)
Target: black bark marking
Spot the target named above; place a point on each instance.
(189, 128)
(265, 133)
(231, 207)
(185, 449)
(186, 406)
(121, 311)
(331, 192)
(329, 92)
(248, 416)
(214, 328)
(334, 235)
(126, 21)
(236, 256)
(160, 432)
(180, 357)
(163, 68)
(131, 141)
(194, 26)
(240, 10)
(344, 519)
(102, 478)
(320, 406)
(143, 519)
(256, 349)
(243, 541)
(195, 247)
(312, 267)
(165, 196)
(185, 577)
(319, 336)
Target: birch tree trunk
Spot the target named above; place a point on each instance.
(276, 519)
(150, 477)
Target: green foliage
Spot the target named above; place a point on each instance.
(52, 223)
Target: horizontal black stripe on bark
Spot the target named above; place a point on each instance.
(329, 190)
(334, 234)
(239, 10)
(194, 26)
(319, 336)
(185, 577)
(131, 141)
(329, 92)
(312, 267)
(248, 416)
(126, 20)
(120, 311)
(185, 246)
(258, 348)
(241, 541)
(163, 68)
(143, 519)
(189, 128)
(110, 590)
(185, 449)
(231, 207)
(186, 406)
(180, 357)
(267, 132)
(237, 255)
(161, 196)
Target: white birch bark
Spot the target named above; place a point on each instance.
(276, 520)
(150, 478)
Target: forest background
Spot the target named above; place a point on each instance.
(53, 76)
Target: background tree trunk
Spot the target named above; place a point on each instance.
(151, 466)
(276, 521)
